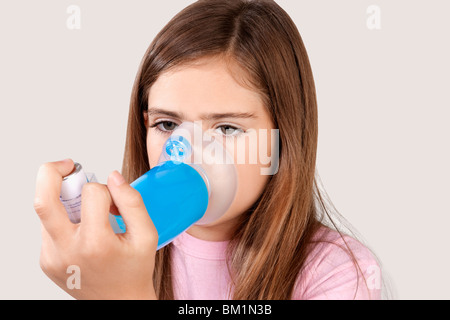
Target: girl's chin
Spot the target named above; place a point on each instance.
(216, 231)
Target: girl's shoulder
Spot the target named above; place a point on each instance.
(338, 267)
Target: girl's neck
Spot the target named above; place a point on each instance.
(219, 232)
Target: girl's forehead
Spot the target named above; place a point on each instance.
(209, 72)
(203, 85)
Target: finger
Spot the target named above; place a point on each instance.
(95, 204)
(47, 203)
(49, 258)
(46, 239)
(46, 246)
(132, 209)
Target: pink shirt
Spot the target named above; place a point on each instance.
(200, 272)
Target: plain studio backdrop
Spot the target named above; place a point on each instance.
(382, 75)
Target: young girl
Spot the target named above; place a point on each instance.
(235, 65)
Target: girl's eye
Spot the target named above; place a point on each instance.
(169, 126)
(165, 126)
(229, 131)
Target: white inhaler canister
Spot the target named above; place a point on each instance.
(71, 187)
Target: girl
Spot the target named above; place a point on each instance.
(236, 65)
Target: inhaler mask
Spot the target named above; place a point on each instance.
(194, 182)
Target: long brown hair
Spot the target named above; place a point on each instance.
(260, 38)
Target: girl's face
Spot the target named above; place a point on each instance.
(207, 91)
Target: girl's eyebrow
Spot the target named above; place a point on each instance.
(205, 116)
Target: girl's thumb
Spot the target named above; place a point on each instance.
(132, 209)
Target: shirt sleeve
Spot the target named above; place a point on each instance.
(332, 273)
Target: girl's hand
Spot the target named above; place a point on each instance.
(111, 266)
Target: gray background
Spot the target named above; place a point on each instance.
(383, 101)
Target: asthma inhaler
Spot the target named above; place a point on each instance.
(70, 196)
(71, 192)
(194, 182)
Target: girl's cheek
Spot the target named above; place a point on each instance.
(250, 183)
(250, 186)
(154, 148)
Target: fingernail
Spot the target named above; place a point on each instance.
(117, 178)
